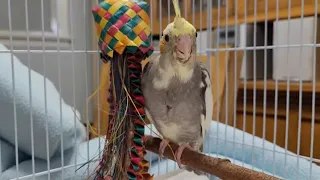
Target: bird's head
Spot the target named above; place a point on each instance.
(179, 38)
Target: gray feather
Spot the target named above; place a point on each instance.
(180, 105)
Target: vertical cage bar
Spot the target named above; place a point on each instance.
(208, 59)
(98, 105)
(169, 10)
(209, 43)
(200, 39)
(236, 81)
(245, 85)
(226, 77)
(265, 79)
(209, 31)
(169, 13)
(300, 88)
(73, 81)
(315, 31)
(86, 34)
(45, 88)
(160, 18)
(160, 35)
(185, 9)
(288, 89)
(254, 78)
(151, 28)
(30, 88)
(151, 18)
(16, 144)
(193, 11)
(60, 92)
(200, 19)
(276, 99)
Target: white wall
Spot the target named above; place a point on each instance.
(81, 36)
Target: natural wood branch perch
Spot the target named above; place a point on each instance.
(215, 166)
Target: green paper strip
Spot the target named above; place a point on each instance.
(137, 140)
(125, 29)
(97, 18)
(134, 150)
(131, 176)
(135, 81)
(131, 35)
(139, 129)
(123, 9)
(144, 6)
(113, 42)
(137, 91)
(105, 5)
(135, 167)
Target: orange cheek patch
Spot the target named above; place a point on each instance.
(162, 45)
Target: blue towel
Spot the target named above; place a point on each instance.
(40, 119)
(8, 156)
(236, 145)
(228, 148)
(258, 153)
(76, 155)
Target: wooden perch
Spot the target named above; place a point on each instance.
(215, 166)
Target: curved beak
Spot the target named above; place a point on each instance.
(183, 48)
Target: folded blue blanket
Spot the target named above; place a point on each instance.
(227, 145)
(261, 154)
(8, 157)
(249, 151)
(41, 119)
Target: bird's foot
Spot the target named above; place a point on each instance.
(164, 143)
(179, 152)
(223, 160)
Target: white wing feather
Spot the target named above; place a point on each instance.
(208, 98)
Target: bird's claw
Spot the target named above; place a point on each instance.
(179, 153)
(223, 160)
(164, 143)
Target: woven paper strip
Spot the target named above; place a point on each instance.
(123, 26)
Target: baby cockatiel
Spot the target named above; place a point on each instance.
(177, 89)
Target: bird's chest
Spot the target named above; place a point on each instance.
(178, 92)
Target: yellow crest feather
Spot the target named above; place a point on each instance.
(176, 8)
(180, 26)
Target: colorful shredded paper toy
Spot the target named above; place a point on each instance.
(124, 36)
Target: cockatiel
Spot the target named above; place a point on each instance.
(177, 89)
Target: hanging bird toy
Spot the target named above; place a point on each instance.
(124, 36)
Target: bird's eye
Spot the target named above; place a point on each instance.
(166, 37)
